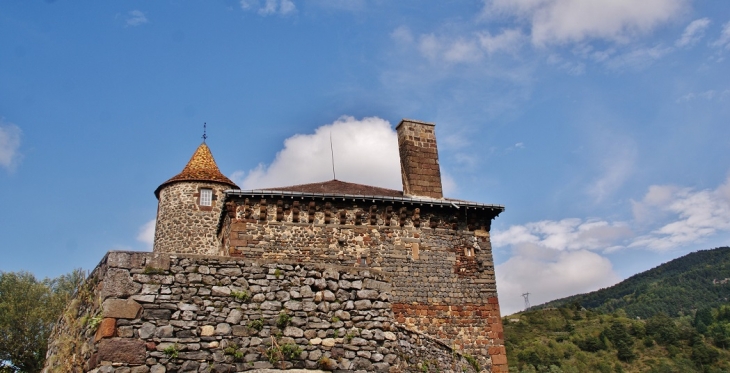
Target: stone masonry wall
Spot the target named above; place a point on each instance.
(419, 159)
(438, 258)
(159, 313)
(185, 226)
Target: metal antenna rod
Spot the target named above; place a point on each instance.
(527, 300)
(332, 153)
(205, 136)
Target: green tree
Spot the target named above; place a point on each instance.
(28, 310)
(663, 329)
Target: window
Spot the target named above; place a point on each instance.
(206, 197)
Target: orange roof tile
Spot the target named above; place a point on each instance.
(201, 167)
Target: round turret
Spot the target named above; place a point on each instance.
(189, 207)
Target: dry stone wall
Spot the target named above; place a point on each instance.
(185, 226)
(156, 312)
(438, 258)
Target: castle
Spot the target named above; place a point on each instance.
(323, 276)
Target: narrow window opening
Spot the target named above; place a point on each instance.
(206, 197)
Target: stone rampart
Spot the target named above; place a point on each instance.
(156, 312)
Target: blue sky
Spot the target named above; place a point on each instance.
(601, 125)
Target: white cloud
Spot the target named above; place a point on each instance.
(709, 95)
(462, 49)
(269, 7)
(402, 34)
(723, 42)
(693, 33)
(509, 40)
(9, 144)
(693, 215)
(571, 67)
(146, 233)
(638, 58)
(549, 274)
(136, 18)
(365, 152)
(564, 21)
(616, 168)
(564, 235)
(553, 259)
(429, 46)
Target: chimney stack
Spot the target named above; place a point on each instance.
(419, 159)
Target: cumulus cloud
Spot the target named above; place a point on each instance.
(549, 274)
(688, 215)
(693, 33)
(136, 18)
(9, 145)
(146, 233)
(551, 259)
(269, 7)
(365, 152)
(564, 21)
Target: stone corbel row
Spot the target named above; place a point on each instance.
(305, 213)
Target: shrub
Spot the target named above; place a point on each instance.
(283, 320)
(242, 296)
(257, 324)
(171, 351)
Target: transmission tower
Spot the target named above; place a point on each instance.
(527, 300)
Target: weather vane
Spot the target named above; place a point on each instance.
(204, 129)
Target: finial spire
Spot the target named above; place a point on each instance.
(204, 130)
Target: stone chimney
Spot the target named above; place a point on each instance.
(419, 159)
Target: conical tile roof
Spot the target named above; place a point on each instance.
(201, 167)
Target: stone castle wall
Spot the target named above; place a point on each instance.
(185, 226)
(439, 259)
(155, 312)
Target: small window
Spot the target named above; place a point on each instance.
(206, 197)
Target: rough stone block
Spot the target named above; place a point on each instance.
(221, 291)
(122, 350)
(158, 261)
(291, 331)
(106, 329)
(120, 308)
(118, 283)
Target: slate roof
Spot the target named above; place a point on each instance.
(201, 167)
(341, 187)
(335, 189)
